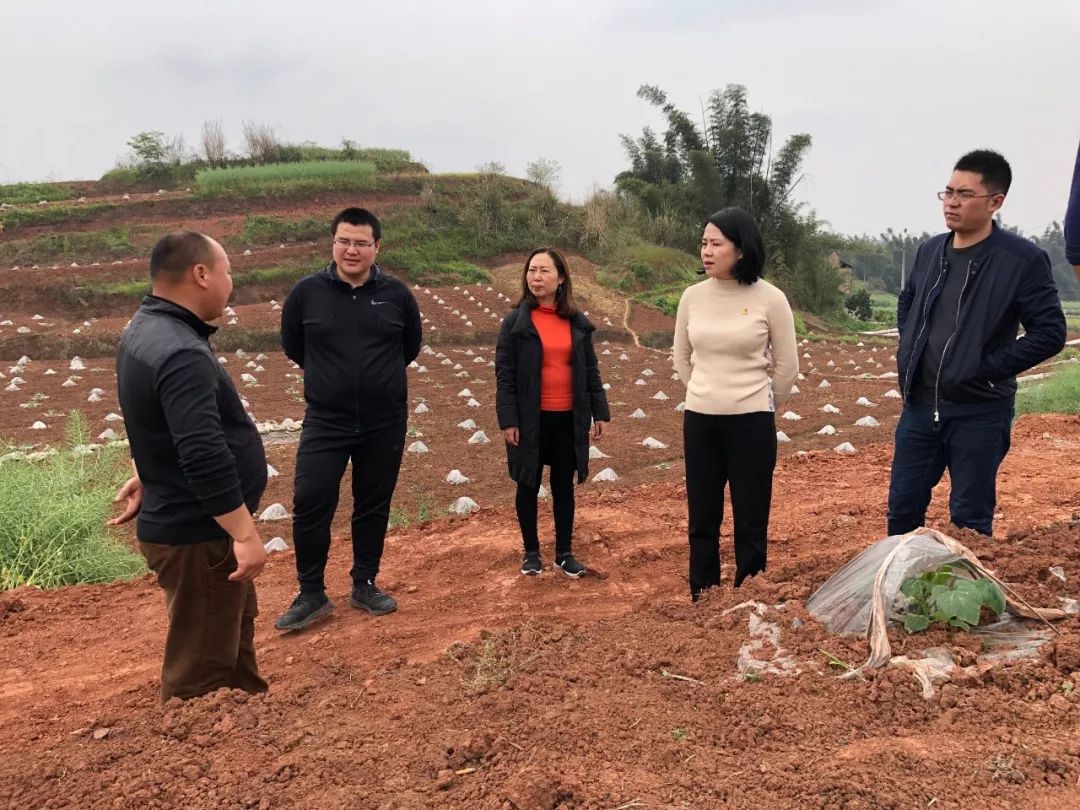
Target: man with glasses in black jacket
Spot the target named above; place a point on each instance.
(969, 291)
(353, 330)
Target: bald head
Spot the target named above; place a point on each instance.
(176, 253)
(192, 270)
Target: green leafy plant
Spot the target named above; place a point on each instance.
(53, 513)
(942, 597)
(858, 305)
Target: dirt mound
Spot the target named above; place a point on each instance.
(491, 690)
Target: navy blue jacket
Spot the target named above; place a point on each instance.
(197, 452)
(1072, 217)
(354, 345)
(1008, 286)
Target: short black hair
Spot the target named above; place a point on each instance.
(357, 216)
(995, 170)
(177, 252)
(741, 230)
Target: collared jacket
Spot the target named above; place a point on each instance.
(518, 364)
(1072, 217)
(1008, 286)
(354, 345)
(196, 450)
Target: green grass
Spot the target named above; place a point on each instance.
(883, 300)
(440, 274)
(262, 230)
(286, 178)
(82, 246)
(52, 516)
(649, 268)
(436, 257)
(655, 275)
(667, 302)
(26, 193)
(800, 325)
(94, 293)
(385, 160)
(1058, 394)
(18, 218)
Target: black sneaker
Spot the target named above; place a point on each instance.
(306, 610)
(569, 566)
(367, 596)
(531, 565)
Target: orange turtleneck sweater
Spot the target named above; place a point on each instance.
(556, 373)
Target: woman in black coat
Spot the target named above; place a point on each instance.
(548, 393)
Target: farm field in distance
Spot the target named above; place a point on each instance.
(488, 689)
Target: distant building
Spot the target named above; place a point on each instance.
(846, 270)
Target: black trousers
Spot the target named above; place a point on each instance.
(738, 450)
(320, 465)
(557, 452)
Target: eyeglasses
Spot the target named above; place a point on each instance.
(359, 244)
(949, 194)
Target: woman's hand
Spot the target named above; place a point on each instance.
(512, 435)
(598, 429)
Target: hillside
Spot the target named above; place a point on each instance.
(488, 689)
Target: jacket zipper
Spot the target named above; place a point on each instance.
(356, 378)
(911, 366)
(945, 350)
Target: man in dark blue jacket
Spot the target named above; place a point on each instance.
(1072, 221)
(200, 470)
(969, 290)
(353, 330)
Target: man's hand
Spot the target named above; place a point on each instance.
(132, 492)
(512, 436)
(250, 557)
(598, 429)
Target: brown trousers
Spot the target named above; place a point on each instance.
(211, 640)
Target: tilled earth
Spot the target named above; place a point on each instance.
(488, 689)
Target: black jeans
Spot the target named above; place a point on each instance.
(971, 447)
(740, 450)
(557, 452)
(320, 465)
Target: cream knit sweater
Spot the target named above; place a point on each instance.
(726, 335)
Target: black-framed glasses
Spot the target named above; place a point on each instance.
(359, 244)
(949, 194)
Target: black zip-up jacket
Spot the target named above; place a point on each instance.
(354, 345)
(197, 452)
(1009, 285)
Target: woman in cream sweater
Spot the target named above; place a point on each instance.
(729, 328)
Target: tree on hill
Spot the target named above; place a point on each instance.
(1052, 241)
(691, 170)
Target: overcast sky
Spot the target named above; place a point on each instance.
(892, 93)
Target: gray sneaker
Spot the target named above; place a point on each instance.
(306, 610)
(367, 596)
